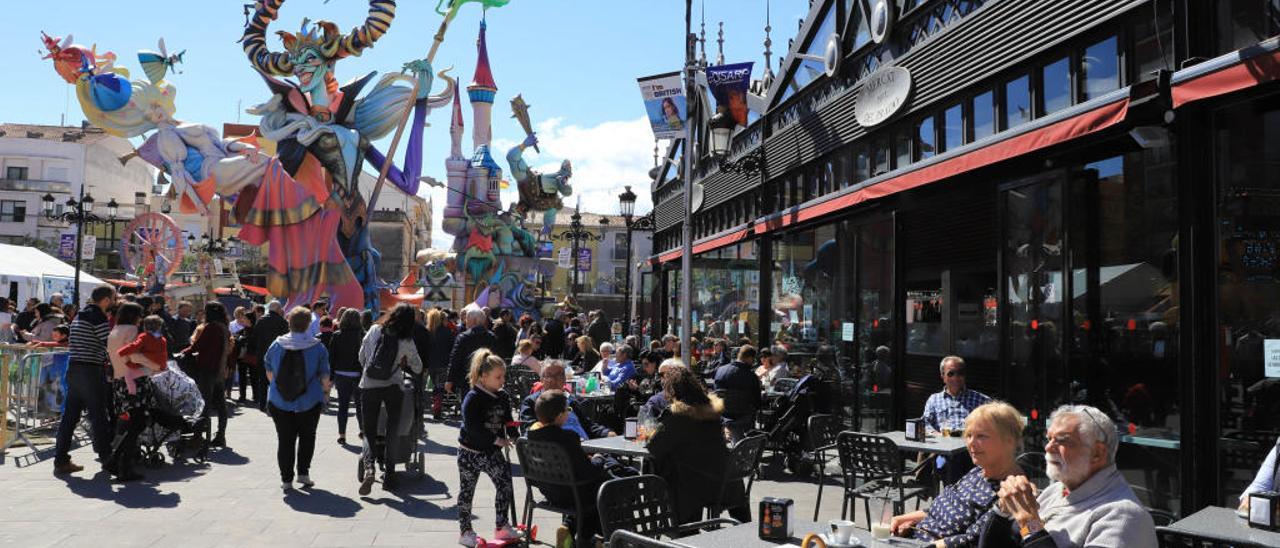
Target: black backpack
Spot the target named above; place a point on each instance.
(383, 364)
(291, 378)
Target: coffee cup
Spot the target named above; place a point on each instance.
(841, 531)
(881, 531)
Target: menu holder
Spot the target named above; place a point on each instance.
(915, 430)
(777, 518)
(1264, 510)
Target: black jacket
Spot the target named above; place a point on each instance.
(422, 342)
(484, 420)
(599, 332)
(505, 334)
(553, 338)
(441, 349)
(585, 361)
(581, 464)
(344, 350)
(739, 382)
(593, 429)
(689, 451)
(179, 333)
(466, 344)
(267, 330)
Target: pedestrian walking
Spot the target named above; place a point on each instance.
(344, 359)
(486, 410)
(298, 368)
(266, 330)
(86, 381)
(441, 347)
(386, 352)
(476, 336)
(211, 348)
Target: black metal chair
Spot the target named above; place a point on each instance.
(626, 539)
(743, 460)
(1174, 538)
(643, 505)
(519, 381)
(823, 430)
(875, 461)
(547, 465)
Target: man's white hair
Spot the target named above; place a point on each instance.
(473, 314)
(671, 363)
(606, 346)
(1095, 426)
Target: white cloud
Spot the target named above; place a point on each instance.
(605, 157)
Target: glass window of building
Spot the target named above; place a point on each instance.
(1152, 49)
(1247, 166)
(875, 329)
(1017, 102)
(1243, 23)
(902, 149)
(880, 151)
(1100, 69)
(952, 128)
(808, 70)
(726, 285)
(861, 165)
(925, 138)
(1055, 85)
(862, 32)
(984, 115)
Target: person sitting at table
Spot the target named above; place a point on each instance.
(945, 412)
(553, 409)
(773, 366)
(622, 370)
(1264, 479)
(688, 449)
(524, 357)
(605, 365)
(742, 389)
(1089, 503)
(658, 404)
(587, 357)
(719, 356)
(993, 434)
(578, 422)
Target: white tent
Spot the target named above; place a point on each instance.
(27, 272)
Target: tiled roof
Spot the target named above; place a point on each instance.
(53, 133)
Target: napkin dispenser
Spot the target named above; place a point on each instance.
(777, 518)
(1264, 510)
(915, 430)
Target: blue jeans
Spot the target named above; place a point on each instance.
(86, 391)
(348, 396)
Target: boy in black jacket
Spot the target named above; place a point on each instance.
(552, 408)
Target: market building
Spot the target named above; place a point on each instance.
(1080, 197)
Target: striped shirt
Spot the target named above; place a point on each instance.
(88, 338)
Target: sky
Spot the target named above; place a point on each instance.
(574, 61)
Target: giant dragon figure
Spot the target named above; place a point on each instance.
(324, 131)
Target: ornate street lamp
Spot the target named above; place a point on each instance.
(576, 234)
(78, 213)
(627, 206)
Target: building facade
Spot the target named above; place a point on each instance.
(603, 266)
(1077, 196)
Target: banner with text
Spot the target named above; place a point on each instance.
(664, 102)
(729, 84)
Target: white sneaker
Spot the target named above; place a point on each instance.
(286, 486)
(507, 532)
(468, 539)
(305, 481)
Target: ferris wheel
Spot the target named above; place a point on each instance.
(152, 244)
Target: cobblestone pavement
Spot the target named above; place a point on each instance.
(236, 500)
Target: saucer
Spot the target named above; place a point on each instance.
(831, 542)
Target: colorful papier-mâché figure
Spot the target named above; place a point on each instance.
(323, 131)
(539, 192)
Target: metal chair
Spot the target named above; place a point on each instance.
(823, 430)
(547, 465)
(1174, 538)
(642, 505)
(519, 381)
(875, 461)
(743, 459)
(626, 539)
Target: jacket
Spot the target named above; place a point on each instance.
(741, 382)
(212, 348)
(600, 332)
(1103, 511)
(586, 360)
(180, 331)
(441, 349)
(484, 420)
(267, 330)
(422, 342)
(406, 354)
(505, 335)
(592, 428)
(583, 470)
(553, 338)
(689, 451)
(463, 347)
(344, 351)
(316, 359)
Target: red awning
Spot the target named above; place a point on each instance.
(121, 283)
(1014, 145)
(249, 288)
(1232, 72)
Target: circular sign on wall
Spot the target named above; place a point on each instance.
(831, 55)
(883, 94)
(883, 14)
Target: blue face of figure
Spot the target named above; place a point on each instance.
(310, 69)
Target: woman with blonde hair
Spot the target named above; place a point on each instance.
(524, 357)
(486, 409)
(993, 435)
(587, 356)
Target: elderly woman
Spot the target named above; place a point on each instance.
(606, 360)
(295, 408)
(993, 434)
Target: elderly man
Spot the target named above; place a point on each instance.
(658, 403)
(476, 336)
(949, 408)
(1089, 503)
(553, 378)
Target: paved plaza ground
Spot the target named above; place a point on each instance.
(236, 500)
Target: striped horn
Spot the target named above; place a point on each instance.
(255, 40)
(381, 12)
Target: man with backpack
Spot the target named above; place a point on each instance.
(297, 366)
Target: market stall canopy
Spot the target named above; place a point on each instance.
(28, 272)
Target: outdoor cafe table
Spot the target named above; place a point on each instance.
(1223, 525)
(932, 444)
(616, 445)
(747, 536)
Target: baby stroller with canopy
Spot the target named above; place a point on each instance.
(174, 423)
(784, 423)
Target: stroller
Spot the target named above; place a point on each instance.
(784, 423)
(173, 423)
(406, 448)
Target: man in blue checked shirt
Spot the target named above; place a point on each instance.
(948, 409)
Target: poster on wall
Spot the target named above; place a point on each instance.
(58, 284)
(1271, 357)
(664, 103)
(728, 84)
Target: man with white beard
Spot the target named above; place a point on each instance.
(1089, 503)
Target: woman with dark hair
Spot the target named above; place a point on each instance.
(688, 448)
(437, 365)
(246, 355)
(344, 360)
(211, 347)
(126, 398)
(47, 318)
(379, 388)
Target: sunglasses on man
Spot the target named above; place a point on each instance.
(955, 373)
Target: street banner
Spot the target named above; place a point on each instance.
(66, 246)
(729, 85)
(584, 259)
(90, 249)
(563, 259)
(664, 102)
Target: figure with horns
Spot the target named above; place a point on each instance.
(323, 131)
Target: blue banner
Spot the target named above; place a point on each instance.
(664, 102)
(729, 84)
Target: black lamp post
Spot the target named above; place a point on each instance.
(627, 206)
(577, 233)
(78, 213)
(722, 126)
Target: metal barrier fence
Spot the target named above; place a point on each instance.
(31, 394)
